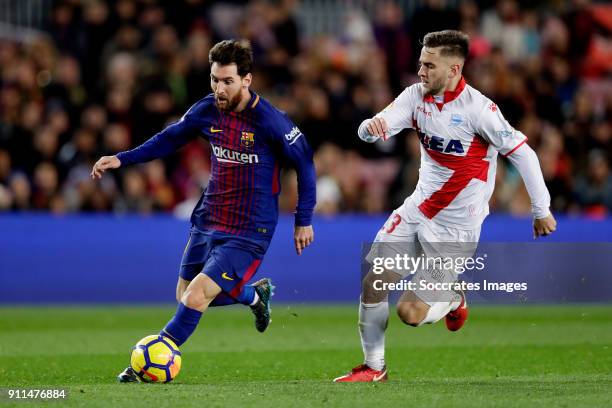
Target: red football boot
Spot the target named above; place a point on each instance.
(455, 319)
(363, 373)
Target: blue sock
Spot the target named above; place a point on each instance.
(246, 297)
(182, 325)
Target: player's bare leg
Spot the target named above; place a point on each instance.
(373, 319)
(200, 292)
(411, 310)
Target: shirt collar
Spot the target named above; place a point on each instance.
(253, 101)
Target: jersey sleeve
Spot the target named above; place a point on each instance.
(526, 161)
(168, 140)
(294, 147)
(398, 114)
(494, 128)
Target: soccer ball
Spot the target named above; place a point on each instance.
(156, 359)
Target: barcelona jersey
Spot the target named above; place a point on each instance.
(248, 150)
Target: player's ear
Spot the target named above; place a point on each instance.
(246, 80)
(455, 69)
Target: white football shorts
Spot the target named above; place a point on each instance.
(411, 244)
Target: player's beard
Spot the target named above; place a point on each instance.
(228, 105)
(434, 87)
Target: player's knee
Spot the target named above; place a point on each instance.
(410, 314)
(193, 299)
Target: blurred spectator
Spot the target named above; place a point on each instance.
(329, 196)
(158, 186)
(594, 189)
(135, 197)
(184, 209)
(505, 29)
(5, 166)
(6, 198)
(46, 183)
(21, 192)
(394, 40)
(116, 138)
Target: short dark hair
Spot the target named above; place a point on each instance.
(237, 52)
(453, 42)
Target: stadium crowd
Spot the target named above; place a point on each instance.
(105, 76)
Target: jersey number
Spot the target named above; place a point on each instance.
(395, 221)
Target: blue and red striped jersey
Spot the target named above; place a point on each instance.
(248, 150)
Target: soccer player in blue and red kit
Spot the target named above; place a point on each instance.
(234, 221)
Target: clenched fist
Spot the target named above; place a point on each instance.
(544, 226)
(378, 127)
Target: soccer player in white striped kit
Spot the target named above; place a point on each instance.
(461, 133)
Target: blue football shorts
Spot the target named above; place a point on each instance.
(229, 260)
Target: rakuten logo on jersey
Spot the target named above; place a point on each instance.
(225, 155)
(294, 135)
(439, 144)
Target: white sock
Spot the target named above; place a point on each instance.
(455, 304)
(373, 320)
(436, 311)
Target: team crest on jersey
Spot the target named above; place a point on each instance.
(247, 139)
(456, 119)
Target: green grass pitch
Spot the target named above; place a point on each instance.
(521, 356)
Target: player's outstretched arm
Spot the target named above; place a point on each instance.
(105, 163)
(302, 237)
(391, 120)
(161, 144)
